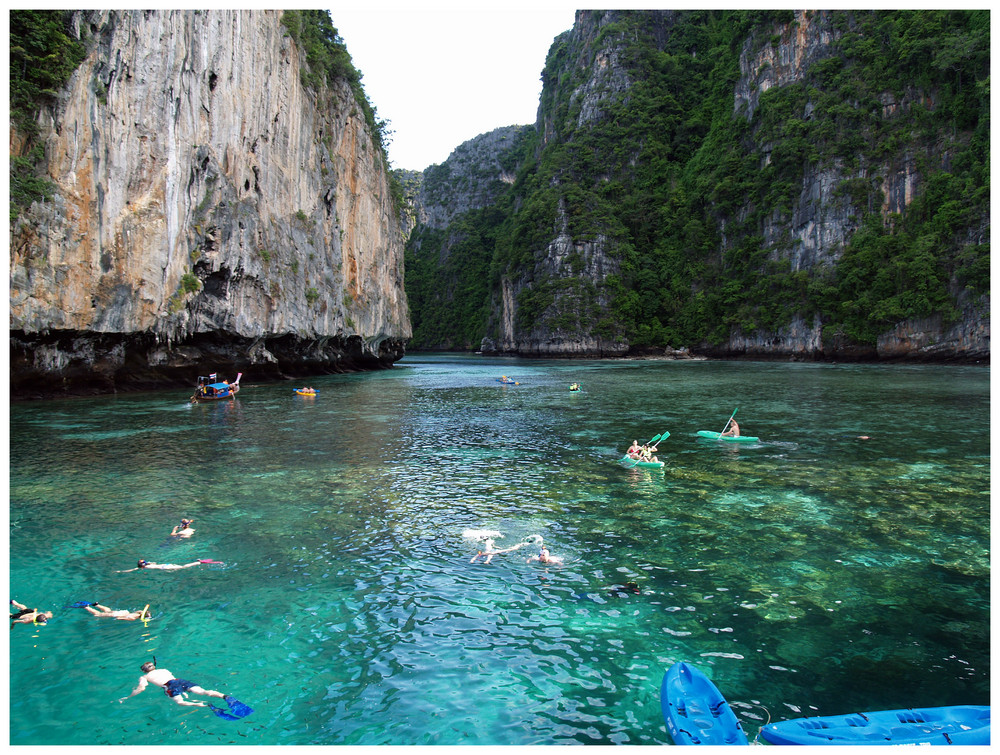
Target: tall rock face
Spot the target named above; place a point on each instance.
(209, 212)
(750, 183)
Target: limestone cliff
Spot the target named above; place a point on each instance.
(646, 216)
(210, 212)
(823, 220)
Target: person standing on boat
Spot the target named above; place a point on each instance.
(183, 529)
(733, 431)
(174, 687)
(103, 612)
(25, 615)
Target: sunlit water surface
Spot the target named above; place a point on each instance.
(812, 573)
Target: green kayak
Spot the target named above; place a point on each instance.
(728, 438)
(647, 464)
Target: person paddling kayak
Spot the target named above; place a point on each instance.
(732, 432)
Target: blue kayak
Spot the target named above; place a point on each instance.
(728, 438)
(950, 725)
(695, 711)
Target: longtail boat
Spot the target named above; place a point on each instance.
(209, 389)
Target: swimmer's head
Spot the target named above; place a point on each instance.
(185, 523)
(147, 667)
(142, 563)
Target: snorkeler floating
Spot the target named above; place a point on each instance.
(177, 689)
(103, 612)
(25, 615)
(143, 564)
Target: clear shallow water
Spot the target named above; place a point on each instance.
(813, 573)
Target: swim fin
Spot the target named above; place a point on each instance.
(223, 713)
(81, 604)
(240, 710)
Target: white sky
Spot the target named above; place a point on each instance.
(444, 73)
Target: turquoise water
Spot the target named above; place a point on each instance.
(813, 573)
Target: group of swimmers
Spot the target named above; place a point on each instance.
(489, 549)
(175, 689)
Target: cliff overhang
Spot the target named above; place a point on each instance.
(77, 363)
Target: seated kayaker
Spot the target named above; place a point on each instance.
(633, 450)
(646, 453)
(733, 431)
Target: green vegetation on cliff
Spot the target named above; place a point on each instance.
(698, 200)
(449, 301)
(43, 55)
(327, 60)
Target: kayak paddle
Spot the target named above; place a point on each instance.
(652, 440)
(729, 420)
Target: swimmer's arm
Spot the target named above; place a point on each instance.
(138, 688)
